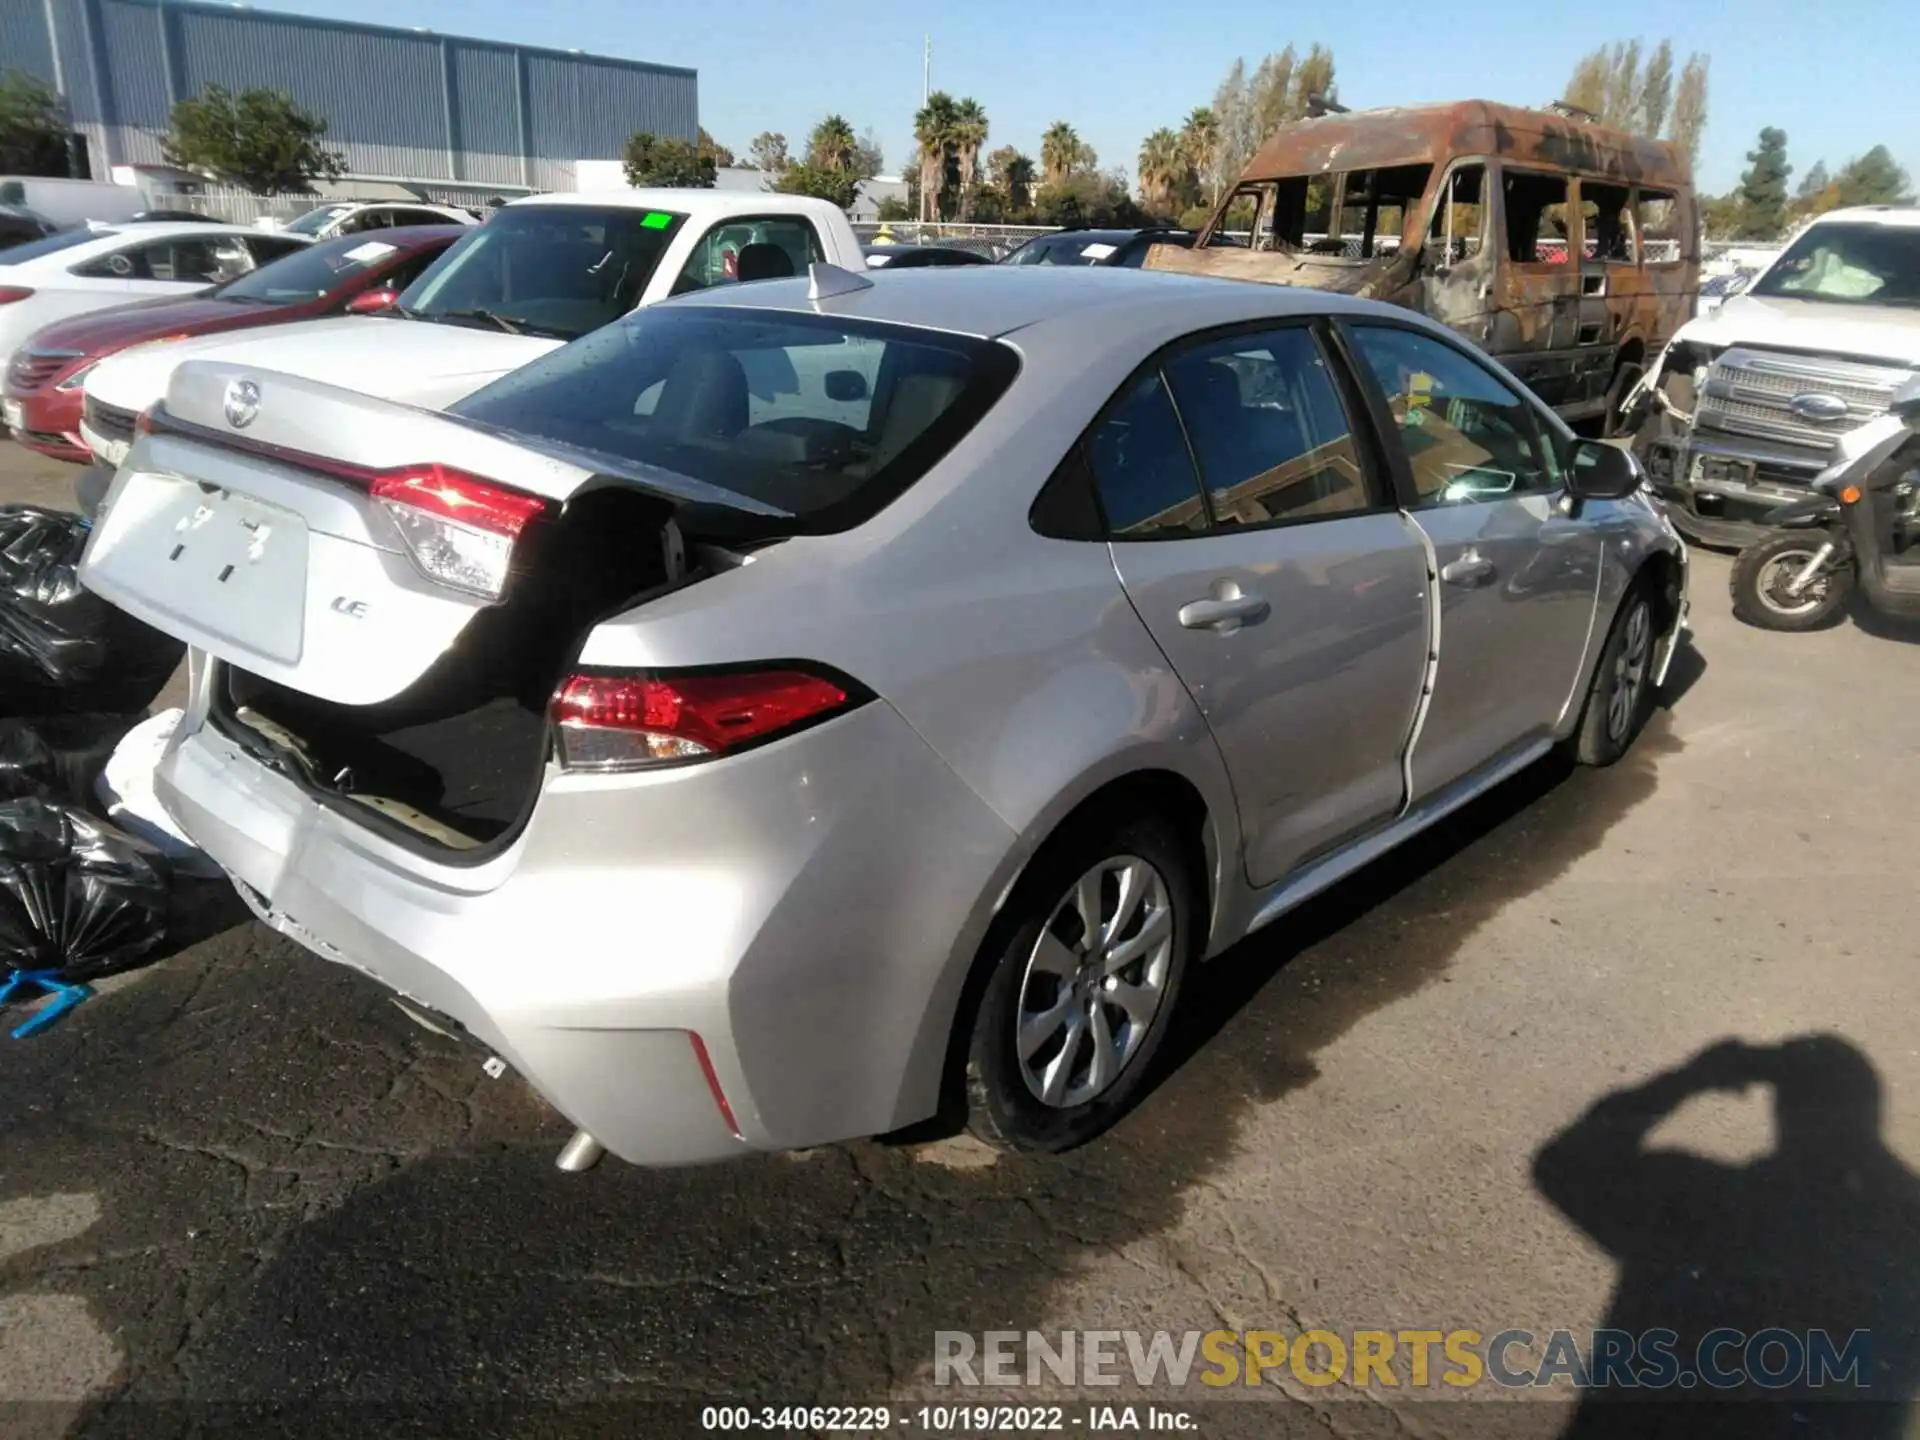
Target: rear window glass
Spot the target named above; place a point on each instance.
(825, 417)
(554, 270)
(1068, 250)
(51, 244)
(311, 271)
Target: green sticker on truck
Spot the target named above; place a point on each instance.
(656, 220)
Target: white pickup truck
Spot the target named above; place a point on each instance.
(1744, 408)
(541, 272)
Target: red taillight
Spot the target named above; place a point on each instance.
(452, 495)
(458, 528)
(11, 293)
(618, 722)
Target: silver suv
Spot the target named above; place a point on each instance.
(801, 703)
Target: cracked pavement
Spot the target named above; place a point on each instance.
(241, 1183)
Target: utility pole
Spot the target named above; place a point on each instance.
(926, 73)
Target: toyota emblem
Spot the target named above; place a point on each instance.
(243, 403)
(1820, 407)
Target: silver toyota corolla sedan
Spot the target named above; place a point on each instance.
(806, 702)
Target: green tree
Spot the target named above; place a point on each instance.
(656, 160)
(1200, 139)
(1062, 153)
(259, 140)
(1687, 121)
(1088, 197)
(868, 158)
(891, 209)
(839, 186)
(968, 134)
(1763, 188)
(832, 145)
(1656, 90)
(1312, 80)
(1011, 174)
(1720, 215)
(768, 152)
(933, 133)
(1163, 171)
(1613, 85)
(1872, 179)
(33, 130)
(714, 150)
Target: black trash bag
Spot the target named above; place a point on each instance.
(61, 646)
(76, 896)
(28, 765)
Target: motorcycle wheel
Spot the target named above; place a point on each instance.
(1762, 572)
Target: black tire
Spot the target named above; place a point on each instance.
(1762, 569)
(1611, 721)
(1004, 1108)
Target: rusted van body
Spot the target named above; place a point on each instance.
(1569, 250)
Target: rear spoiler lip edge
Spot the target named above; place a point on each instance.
(679, 490)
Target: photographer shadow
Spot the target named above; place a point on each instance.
(1820, 1234)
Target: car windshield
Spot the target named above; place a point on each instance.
(1066, 250)
(309, 274)
(824, 417)
(1849, 265)
(51, 244)
(314, 221)
(553, 270)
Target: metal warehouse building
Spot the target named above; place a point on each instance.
(435, 111)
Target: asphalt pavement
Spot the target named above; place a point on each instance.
(241, 1183)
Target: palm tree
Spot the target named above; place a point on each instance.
(1200, 138)
(1163, 168)
(968, 133)
(933, 131)
(1017, 176)
(832, 145)
(1060, 152)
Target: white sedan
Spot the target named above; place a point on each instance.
(73, 271)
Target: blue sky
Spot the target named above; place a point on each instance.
(1838, 80)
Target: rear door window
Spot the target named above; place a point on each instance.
(1607, 211)
(1142, 468)
(1265, 421)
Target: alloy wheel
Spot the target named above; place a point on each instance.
(1778, 573)
(1630, 673)
(1095, 981)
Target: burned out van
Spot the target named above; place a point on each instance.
(1568, 250)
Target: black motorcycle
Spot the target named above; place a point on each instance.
(1860, 525)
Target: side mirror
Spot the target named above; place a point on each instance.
(846, 386)
(1602, 472)
(372, 302)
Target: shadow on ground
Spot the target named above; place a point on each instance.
(305, 1200)
(1818, 1238)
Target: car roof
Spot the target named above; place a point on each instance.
(696, 204)
(996, 300)
(401, 237)
(1900, 216)
(110, 237)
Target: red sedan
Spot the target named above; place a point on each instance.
(352, 273)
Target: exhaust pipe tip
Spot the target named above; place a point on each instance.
(582, 1152)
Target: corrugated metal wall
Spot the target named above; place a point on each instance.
(398, 103)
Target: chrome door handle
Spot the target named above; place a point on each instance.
(1224, 615)
(1469, 569)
